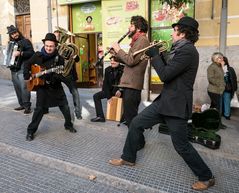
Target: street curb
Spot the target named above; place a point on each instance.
(77, 170)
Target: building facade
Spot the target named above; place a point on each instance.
(97, 23)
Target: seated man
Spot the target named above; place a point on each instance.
(112, 77)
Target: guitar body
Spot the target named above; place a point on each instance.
(35, 82)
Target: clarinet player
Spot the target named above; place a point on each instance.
(132, 79)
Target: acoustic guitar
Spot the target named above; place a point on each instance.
(37, 72)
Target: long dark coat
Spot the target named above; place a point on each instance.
(51, 94)
(178, 76)
(26, 49)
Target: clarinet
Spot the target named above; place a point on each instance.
(108, 51)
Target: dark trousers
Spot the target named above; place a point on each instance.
(178, 131)
(98, 104)
(131, 101)
(38, 114)
(216, 101)
(20, 86)
(71, 84)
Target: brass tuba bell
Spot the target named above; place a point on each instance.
(67, 50)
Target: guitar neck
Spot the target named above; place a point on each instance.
(39, 74)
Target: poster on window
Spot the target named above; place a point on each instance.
(163, 15)
(116, 17)
(87, 17)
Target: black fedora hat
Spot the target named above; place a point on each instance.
(188, 21)
(50, 37)
(11, 29)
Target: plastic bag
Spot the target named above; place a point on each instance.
(234, 101)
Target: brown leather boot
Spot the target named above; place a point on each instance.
(120, 162)
(203, 185)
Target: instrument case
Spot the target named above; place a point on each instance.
(202, 128)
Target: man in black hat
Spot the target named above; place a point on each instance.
(51, 94)
(174, 105)
(23, 53)
(112, 77)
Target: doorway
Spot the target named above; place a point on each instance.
(89, 75)
(23, 23)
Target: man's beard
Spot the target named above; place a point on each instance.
(132, 34)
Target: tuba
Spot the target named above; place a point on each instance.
(67, 50)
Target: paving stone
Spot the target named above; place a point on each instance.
(158, 167)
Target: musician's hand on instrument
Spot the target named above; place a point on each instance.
(153, 51)
(118, 94)
(16, 53)
(116, 47)
(109, 100)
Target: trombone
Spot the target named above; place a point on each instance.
(163, 46)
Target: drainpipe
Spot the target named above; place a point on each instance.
(223, 27)
(49, 16)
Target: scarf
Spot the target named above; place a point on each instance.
(47, 56)
(177, 45)
(135, 37)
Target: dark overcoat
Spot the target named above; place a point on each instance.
(178, 76)
(51, 94)
(26, 49)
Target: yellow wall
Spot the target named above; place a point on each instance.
(39, 18)
(210, 27)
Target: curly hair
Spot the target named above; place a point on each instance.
(20, 36)
(140, 23)
(190, 34)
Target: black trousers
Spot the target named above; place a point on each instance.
(38, 114)
(178, 131)
(216, 101)
(71, 84)
(98, 104)
(131, 101)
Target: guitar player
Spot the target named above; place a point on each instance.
(51, 94)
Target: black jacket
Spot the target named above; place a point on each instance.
(111, 80)
(233, 79)
(51, 94)
(26, 49)
(178, 76)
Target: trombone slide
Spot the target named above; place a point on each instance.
(163, 45)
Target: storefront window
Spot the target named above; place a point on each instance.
(162, 16)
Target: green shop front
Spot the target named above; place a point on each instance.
(97, 24)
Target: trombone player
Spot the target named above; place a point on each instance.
(132, 80)
(174, 105)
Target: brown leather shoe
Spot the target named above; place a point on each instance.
(120, 162)
(201, 185)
